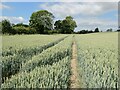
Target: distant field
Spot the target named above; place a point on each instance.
(43, 61)
(25, 41)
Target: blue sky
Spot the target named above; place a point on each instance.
(88, 15)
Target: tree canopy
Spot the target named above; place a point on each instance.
(66, 26)
(41, 20)
(58, 26)
(96, 30)
(109, 30)
(6, 26)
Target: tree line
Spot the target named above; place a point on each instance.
(86, 31)
(41, 22)
(95, 31)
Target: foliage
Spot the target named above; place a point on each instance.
(96, 30)
(58, 26)
(23, 30)
(109, 30)
(84, 32)
(41, 20)
(66, 26)
(20, 28)
(118, 30)
(6, 26)
(87, 32)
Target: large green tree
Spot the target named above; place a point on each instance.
(58, 26)
(66, 26)
(41, 20)
(6, 26)
(96, 30)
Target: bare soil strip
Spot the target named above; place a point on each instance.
(74, 76)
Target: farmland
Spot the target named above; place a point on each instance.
(43, 61)
(98, 60)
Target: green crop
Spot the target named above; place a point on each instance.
(98, 60)
(12, 60)
(48, 76)
(43, 61)
(50, 55)
(48, 69)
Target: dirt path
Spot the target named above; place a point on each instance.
(74, 76)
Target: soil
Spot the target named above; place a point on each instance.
(74, 76)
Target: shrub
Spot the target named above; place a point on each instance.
(23, 30)
(6, 26)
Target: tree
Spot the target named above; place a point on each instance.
(109, 30)
(83, 32)
(23, 30)
(68, 25)
(58, 26)
(6, 26)
(96, 30)
(41, 20)
(118, 29)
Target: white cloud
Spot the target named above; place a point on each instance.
(117, 15)
(2, 6)
(87, 0)
(13, 19)
(86, 14)
(96, 21)
(91, 8)
(60, 1)
(92, 23)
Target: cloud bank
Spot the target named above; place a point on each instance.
(2, 6)
(91, 8)
(87, 14)
(13, 19)
(60, 1)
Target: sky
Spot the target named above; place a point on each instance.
(88, 15)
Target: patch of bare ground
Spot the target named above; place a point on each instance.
(74, 77)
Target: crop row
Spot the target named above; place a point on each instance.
(98, 61)
(29, 50)
(48, 76)
(11, 64)
(15, 43)
(47, 58)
